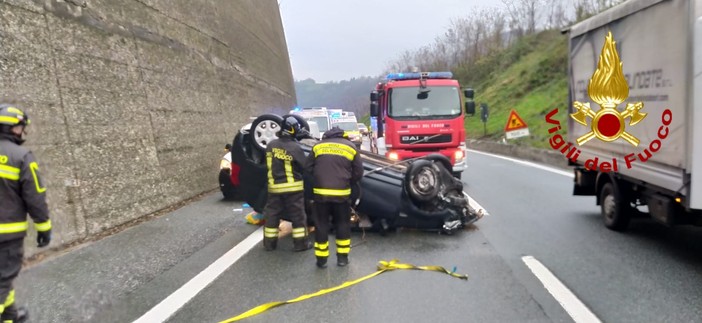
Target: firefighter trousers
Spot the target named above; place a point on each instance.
(341, 213)
(290, 206)
(11, 254)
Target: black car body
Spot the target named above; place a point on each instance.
(419, 193)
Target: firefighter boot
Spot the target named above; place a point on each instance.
(322, 262)
(342, 259)
(270, 243)
(302, 244)
(22, 315)
(15, 315)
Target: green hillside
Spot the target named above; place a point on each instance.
(528, 76)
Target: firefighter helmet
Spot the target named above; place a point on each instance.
(12, 116)
(290, 127)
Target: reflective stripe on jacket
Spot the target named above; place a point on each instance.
(285, 162)
(335, 164)
(21, 191)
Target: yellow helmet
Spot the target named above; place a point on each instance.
(12, 116)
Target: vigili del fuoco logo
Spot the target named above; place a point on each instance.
(608, 88)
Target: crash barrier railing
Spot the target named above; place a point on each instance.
(383, 266)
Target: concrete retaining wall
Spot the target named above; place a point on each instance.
(132, 101)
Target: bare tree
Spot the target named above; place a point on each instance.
(524, 14)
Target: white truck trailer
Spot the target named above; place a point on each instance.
(628, 159)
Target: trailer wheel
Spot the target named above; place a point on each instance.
(422, 180)
(614, 209)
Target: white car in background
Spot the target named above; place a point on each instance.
(363, 129)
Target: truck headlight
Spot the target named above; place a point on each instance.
(393, 156)
(459, 155)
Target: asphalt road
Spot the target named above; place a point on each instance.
(649, 274)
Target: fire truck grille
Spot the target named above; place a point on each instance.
(434, 139)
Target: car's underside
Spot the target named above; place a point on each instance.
(420, 193)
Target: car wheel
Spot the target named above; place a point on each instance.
(422, 180)
(615, 212)
(264, 130)
(440, 158)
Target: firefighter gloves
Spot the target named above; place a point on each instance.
(43, 238)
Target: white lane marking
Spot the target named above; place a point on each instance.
(163, 310)
(546, 168)
(477, 207)
(575, 308)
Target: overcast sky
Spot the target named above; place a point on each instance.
(333, 40)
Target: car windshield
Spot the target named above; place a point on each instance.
(347, 126)
(438, 102)
(322, 123)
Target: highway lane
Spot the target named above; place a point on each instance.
(649, 274)
(635, 277)
(491, 293)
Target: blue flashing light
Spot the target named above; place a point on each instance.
(440, 75)
(403, 76)
(296, 108)
(416, 76)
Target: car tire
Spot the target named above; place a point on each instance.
(440, 158)
(615, 212)
(422, 180)
(264, 130)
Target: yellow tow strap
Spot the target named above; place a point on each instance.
(383, 266)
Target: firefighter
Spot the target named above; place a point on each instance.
(285, 161)
(21, 192)
(335, 164)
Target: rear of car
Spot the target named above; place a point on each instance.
(349, 125)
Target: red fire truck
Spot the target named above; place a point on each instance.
(419, 114)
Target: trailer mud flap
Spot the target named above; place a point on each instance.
(661, 209)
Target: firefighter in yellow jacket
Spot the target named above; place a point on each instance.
(21, 192)
(336, 165)
(285, 161)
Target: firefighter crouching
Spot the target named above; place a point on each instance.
(336, 164)
(285, 161)
(21, 192)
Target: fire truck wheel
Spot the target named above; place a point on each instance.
(264, 129)
(422, 180)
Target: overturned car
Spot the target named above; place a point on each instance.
(419, 193)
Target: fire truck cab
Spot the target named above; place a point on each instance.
(419, 114)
